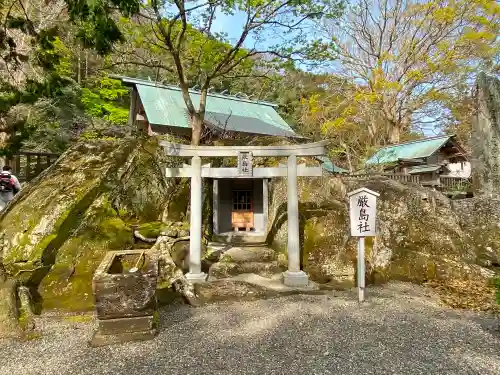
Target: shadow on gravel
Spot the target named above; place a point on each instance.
(309, 334)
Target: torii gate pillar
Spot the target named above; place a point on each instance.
(195, 275)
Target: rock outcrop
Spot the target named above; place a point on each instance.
(480, 219)
(422, 235)
(59, 228)
(486, 136)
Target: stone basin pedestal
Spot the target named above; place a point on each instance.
(124, 289)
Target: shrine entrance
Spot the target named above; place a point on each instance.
(242, 209)
(240, 205)
(240, 195)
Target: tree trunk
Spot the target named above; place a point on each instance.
(485, 138)
(348, 156)
(394, 133)
(86, 65)
(170, 274)
(79, 68)
(197, 127)
(4, 141)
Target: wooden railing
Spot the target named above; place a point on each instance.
(455, 183)
(26, 165)
(445, 184)
(397, 177)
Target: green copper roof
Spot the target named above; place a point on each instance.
(421, 148)
(164, 105)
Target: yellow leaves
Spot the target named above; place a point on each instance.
(365, 96)
(415, 76)
(474, 36)
(312, 103)
(444, 15)
(332, 125)
(379, 80)
(381, 83)
(348, 111)
(444, 46)
(386, 56)
(436, 95)
(466, 294)
(490, 7)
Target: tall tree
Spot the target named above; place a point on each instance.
(271, 32)
(408, 57)
(30, 64)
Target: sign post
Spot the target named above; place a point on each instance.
(362, 214)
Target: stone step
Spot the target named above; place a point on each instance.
(222, 270)
(248, 287)
(242, 254)
(240, 238)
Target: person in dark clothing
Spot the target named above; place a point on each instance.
(9, 186)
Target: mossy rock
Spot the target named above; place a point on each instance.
(9, 310)
(43, 220)
(62, 225)
(153, 229)
(421, 236)
(77, 259)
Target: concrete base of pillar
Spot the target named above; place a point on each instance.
(297, 279)
(196, 278)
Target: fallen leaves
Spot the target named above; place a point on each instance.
(476, 295)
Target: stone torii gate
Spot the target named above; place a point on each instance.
(294, 276)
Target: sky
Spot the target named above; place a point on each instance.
(232, 25)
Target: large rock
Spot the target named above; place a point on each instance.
(239, 254)
(9, 310)
(480, 219)
(486, 136)
(421, 237)
(62, 225)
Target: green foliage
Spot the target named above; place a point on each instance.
(107, 99)
(496, 283)
(97, 28)
(178, 38)
(28, 77)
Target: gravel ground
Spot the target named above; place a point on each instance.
(402, 329)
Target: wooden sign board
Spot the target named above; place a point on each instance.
(363, 212)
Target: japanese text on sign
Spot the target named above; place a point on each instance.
(245, 163)
(362, 212)
(363, 225)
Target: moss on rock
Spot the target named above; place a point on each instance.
(58, 232)
(61, 226)
(152, 229)
(421, 236)
(77, 259)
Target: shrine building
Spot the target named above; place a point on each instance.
(240, 193)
